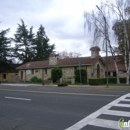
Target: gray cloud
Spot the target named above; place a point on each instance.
(63, 21)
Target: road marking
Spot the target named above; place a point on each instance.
(111, 91)
(105, 123)
(60, 93)
(127, 100)
(104, 110)
(18, 98)
(122, 105)
(116, 113)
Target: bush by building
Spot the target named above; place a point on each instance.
(83, 75)
(56, 74)
(35, 80)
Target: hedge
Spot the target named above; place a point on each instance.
(99, 81)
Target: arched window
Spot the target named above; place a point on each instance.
(98, 71)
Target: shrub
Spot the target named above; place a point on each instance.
(111, 80)
(35, 80)
(56, 74)
(114, 80)
(83, 75)
(62, 84)
(97, 81)
(122, 80)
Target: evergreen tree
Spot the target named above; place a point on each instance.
(119, 32)
(41, 47)
(23, 39)
(5, 50)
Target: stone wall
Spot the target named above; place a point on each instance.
(39, 73)
(67, 73)
(33, 72)
(92, 71)
(47, 73)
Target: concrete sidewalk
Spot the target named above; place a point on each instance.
(102, 87)
(69, 86)
(21, 84)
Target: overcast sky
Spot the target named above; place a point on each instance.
(63, 21)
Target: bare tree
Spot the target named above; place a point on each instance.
(98, 21)
(65, 54)
(121, 8)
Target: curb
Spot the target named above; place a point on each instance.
(90, 88)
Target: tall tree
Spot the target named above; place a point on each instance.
(119, 32)
(5, 50)
(121, 8)
(23, 39)
(41, 47)
(98, 21)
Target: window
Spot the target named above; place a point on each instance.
(98, 71)
(4, 76)
(36, 71)
(32, 71)
(45, 70)
(21, 74)
(92, 74)
(109, 74)
(114, 74)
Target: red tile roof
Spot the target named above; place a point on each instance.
(60, 63)
(111, 66)
(75, 62)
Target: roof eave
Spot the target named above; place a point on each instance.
(53, 66)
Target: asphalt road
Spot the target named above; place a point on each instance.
(28, 108)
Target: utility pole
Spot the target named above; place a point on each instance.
(106, 34)
(106, 54)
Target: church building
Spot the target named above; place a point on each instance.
(94, 65)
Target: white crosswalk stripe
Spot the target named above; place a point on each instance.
(126, 100)
(122, 105)
(117, 113)
(104, 123)
(93, 119)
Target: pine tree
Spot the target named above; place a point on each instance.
(5, 50)
(23, 39)
(41, 47)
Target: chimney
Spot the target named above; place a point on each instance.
(94, 51)
(53, 59)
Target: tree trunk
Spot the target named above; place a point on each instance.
(127, 44)
(115, 63)
(117, 72)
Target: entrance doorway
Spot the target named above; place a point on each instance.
(21, 75)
